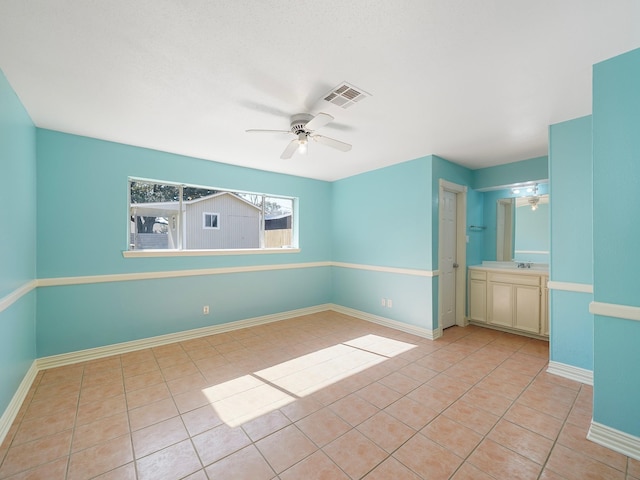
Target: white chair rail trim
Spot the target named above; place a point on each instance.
(376, 268)
(11, 298)
(626, 312)
(570, 287)
(17, 294)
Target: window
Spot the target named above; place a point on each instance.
(167, 216)
(209, 220)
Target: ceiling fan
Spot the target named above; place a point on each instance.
(303, 127)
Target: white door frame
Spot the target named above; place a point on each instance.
(461, 248)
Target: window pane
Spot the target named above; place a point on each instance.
(230, 220)
(153, 215)
(184, 217)
(278, 225)
(210, 220)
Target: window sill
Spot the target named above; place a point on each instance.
(204, 253)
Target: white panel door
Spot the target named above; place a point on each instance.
(448, 265)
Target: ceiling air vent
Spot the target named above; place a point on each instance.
(345, 95)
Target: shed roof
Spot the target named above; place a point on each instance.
(160, 209)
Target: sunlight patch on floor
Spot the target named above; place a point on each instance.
(250, 396)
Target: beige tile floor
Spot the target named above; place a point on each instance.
(324, 396)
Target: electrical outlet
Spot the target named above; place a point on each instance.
(383, 302)
(389, 303)
(205, 310)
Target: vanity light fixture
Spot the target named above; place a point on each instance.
(527, 190)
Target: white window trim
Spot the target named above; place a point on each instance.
(204, 221)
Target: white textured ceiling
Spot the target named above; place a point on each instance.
(476, 82)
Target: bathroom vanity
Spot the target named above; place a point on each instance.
(510, 296)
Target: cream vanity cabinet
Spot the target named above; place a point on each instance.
(508, 299)
(478, 295)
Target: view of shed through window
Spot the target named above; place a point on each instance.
(166, 216)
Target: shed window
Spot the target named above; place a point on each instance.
(210, 220)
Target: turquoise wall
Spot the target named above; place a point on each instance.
(17, 240)
(616, 262)
(571, 329)
(475, 216)
(571, 171)
(530, 170)
(571, 167)
(383, 218)
(82, 230)
(87, 316)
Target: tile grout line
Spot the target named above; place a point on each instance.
(485, 436)
(179, 415)
(555, 441)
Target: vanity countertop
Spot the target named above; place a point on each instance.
(512, 267)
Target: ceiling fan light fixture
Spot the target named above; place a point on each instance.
(302, 142)
(303, 128)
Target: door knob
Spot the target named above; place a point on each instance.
(455, 265)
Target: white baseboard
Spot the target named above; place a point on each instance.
(387, 322)
(126, 347)
(578, 374)
(616, 440)
(13, 408)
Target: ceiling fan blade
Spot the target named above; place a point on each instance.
(320, 120)
(332, 142)
(256, 130)
(290, 150)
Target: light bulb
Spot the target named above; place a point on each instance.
(302, 141)
(516, 191)
(534, 207)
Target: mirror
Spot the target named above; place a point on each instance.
(522, 229)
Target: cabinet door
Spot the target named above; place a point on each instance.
(544, 312)
(527, 308)
(478, 300)
(500, 308)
